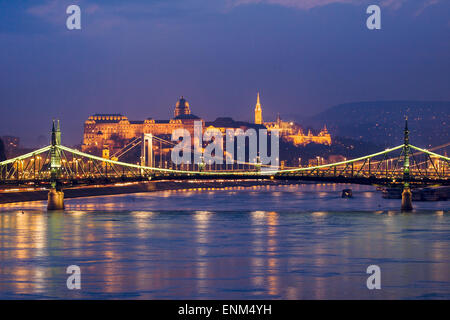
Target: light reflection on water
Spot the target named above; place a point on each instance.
(290, 242)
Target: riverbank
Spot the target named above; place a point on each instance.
(26, 195)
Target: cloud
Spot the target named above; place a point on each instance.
(47, 11)
(393, 4)
(109, 14)
(54, 11)
(427, 4)
(309, 4)
(299, 4)
(113, 13)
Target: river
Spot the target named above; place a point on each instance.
(267, 242)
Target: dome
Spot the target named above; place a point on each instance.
(182, 107)
(182, 103)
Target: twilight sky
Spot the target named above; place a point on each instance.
(137, 57)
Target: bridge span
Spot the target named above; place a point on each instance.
(57, 167)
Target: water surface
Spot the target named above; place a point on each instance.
(286, 242)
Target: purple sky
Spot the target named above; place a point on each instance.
(137, 57)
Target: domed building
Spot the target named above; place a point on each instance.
(182, 107)
(102, 130)
(183, 112)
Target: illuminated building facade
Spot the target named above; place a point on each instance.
(300, 138)
(258, 111)
(291, 131)
(114, 131)
(109, 130)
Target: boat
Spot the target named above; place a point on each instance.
(347, 193)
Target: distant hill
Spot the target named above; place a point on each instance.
(2, 151)
(382, 122)
(345, 147)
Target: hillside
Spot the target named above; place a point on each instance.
(2, 151)
(382, 122)
(345, 147)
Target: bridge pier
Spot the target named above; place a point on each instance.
(55, 200)
(407, 199)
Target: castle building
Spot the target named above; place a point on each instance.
(113, 130)
(182, 107)
(291, 131)
(300, 138)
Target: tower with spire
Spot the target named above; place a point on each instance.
(258, 111)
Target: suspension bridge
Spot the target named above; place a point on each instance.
(57, 167)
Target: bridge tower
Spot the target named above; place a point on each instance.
(406, 194)
(147, 150)
(55, 156)
(55, 194)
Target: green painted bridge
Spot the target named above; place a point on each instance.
(57, 167)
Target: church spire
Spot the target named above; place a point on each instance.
(258, 111)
